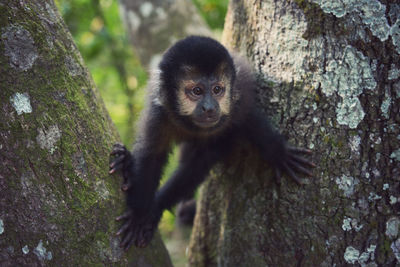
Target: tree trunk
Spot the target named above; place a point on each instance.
(57, 201)
(329, 77)
(154, 25)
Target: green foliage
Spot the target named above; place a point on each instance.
(168, 219)
(213, 11)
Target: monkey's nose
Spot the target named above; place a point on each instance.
(208, 110)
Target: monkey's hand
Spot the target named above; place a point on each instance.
(294, 163)
(122, 160)
(138, 231)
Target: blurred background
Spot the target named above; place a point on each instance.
(121, 76)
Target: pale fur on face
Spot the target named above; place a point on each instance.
(187, 105)
(225, 100)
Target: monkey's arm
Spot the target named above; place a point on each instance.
(275, 150)
(142, 169)
(195, 163)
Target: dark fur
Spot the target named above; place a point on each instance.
(200, 148)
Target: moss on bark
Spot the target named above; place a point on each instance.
(56, 198)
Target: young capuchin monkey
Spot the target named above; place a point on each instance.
(202, 99)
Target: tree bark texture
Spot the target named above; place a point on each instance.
(57, 201)
(329, 78)
(154, 25)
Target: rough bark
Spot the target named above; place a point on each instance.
(154, 25)
(57, 201)
(329, 77)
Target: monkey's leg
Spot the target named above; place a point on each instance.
(275, 150)
(195, 163)
(185, 212)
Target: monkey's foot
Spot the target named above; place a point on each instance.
(122, 158)
(137, 231)
(295, 163)
(185, 212)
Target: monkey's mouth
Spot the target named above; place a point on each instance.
(206, 122)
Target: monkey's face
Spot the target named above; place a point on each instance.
(204, 98)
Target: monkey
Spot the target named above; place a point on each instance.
(202, 98)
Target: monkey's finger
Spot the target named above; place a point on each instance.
(302, 160)
(126, 240)
(139, 240)
(113, 170)
(127, 174)
(278, 176)
(123, 228)
(144, 239)
(117, 161)
(300, 168)
(292, 175)
(127, 182)
(127, 246)
(142, 243)
(126, 215)
(299, 150)
(125, 187)
(148, 235)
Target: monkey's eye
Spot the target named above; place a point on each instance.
(197, 91)
(217, 90)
